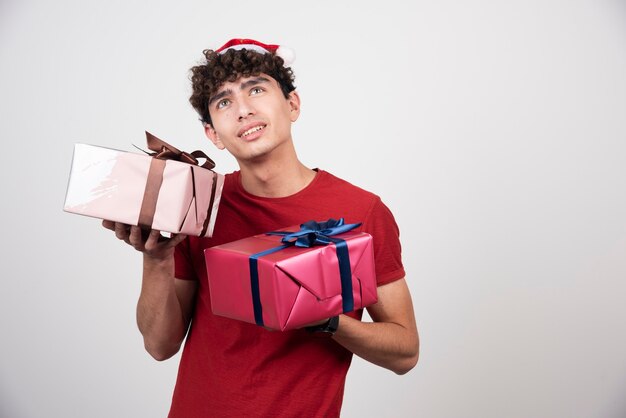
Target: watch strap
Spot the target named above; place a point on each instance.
(328, 327)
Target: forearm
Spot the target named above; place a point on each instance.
(159, 314)
(386, 344)
(391, 341)
(164, 306)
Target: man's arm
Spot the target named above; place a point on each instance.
(391, 341)
(165, 304)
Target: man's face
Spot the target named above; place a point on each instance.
(251, 117)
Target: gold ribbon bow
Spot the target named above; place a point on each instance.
(164, 151)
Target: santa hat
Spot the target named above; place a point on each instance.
(288, 55)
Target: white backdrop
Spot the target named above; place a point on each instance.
(495, 131)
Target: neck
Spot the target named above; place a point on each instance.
(275, 177)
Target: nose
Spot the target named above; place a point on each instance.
(246, 108)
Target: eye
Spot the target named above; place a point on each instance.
(256, 90)
(223, 103)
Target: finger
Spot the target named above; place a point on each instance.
(121, 231)
(135, 238)
(176, 239)
(108, 224)
(153, 239)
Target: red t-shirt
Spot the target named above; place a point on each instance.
(235, 369)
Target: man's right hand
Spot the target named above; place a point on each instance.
(152, 244)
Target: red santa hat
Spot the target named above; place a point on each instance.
(287, 54)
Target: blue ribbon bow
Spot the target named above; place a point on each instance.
(311, 233)
(315, 233)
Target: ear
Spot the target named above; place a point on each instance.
(212, 135)
(294, 105)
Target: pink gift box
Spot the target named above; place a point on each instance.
(124, 187)
(296, 286)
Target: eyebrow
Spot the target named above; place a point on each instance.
(219, 95)
(252, 82)
(244, 85)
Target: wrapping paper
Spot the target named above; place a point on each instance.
(296, 286)
(135, 189)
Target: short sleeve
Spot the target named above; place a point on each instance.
(381, 225)
(182, 261)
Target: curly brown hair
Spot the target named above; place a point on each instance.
(229, 66)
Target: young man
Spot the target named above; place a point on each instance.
(247, 101)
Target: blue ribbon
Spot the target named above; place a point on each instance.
(311, 233)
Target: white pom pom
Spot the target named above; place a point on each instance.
(287, 54)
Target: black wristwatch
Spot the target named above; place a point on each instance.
(328, 327)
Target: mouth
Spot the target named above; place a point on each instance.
(251, 131)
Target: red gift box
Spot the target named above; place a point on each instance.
(283, 286)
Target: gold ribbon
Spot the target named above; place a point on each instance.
(163, 151)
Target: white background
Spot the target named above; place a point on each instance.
(495, 131)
